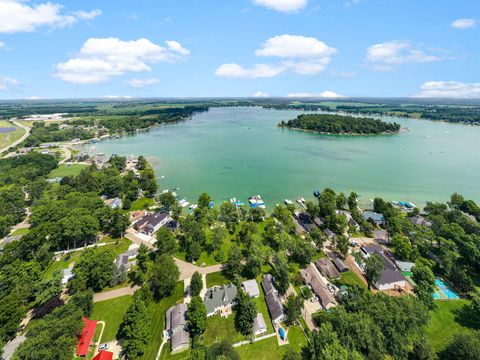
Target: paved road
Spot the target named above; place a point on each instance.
(187, 269)
(15, 143)
(112, 294)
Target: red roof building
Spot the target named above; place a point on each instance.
(85, 338)
(103, 355)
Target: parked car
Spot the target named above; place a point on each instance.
(103, 347)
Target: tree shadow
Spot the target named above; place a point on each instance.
(466, 317)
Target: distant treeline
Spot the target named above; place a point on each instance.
(338, 124)
(42, 133)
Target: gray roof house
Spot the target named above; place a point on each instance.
(259, 326)
(267, 284)
(391, 277)
(326, 267)
(381, 236)
(176, 326)
(377, 218)
(329, 233)
(420, 220)
(303, 219)
(340, 265)
(150, 223)
(320, 289)
(251, 288)
(275, 306)
(219, 297)
(123, 259)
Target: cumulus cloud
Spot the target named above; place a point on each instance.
(141, 83)
(19, 16)
(325, 94)
(101, 59)
(7, 82)
(33, 97)
(464, 23)
(282, 5)
(300, 54)
(449, 89)
(261, 94)
(385, 56)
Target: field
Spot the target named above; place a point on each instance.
(444, 323)
(22, 231)
(350, 278)
(10, 137)
(66, 170)
(112, 312)
(141, 204)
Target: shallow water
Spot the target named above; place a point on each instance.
(239, 152)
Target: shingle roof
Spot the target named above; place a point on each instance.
(259, 323)
(176, 317)
(318, 286)
(267, 284)
(274, 305)
(327, 268)
(219, 296)
(251, 288)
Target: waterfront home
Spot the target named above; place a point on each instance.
(319, 221)
(340, 265)
(350, 220)
(329, 233)
(272, 298)
(220, 299)
(377, 218)
(319, 288)
(251, 288)
(381, 236)
(420, 220)
(115, 203)
(150, 223)
(391, 278)
(135, 215)
(124, 258)
(326, 268)
(303, 219)
(259, 326)
(176, 327)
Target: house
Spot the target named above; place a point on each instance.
(103, 355)
(312, 278)
(381, 236)
(405, 265)
(420, 220)
(220, 299)
(85, 337)
(377, 218)
(176, 327)
(67, 275)
(391, 278)
(124, 258)
(319, 221)
(326, 268)
(272, 298)
(350, 220)
(115, 203)
(251, 288)
(259, 326)
(303, 219)
(329, 233)
(340, 265)
(151, 222)
(138, 214)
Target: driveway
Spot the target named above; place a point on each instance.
(187, 269)
(112, 294)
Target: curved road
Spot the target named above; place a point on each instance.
(15, 143)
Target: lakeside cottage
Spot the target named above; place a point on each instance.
(150, 223)
(420, 220)
(220, 299)
(377, 218)
(326, 268)
(272, 298)
(319, 288)
(303, 220)
(176, 327)
(350, 220)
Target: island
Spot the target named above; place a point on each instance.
(340, 125)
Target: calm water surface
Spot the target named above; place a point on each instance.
(240, 152)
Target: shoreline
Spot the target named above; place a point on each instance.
(389, 133)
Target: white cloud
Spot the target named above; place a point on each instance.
(464, 23)
(449, 89)
(300, 54)
(100, 59)
(261, 94)
(18, 16)
(325, 94)
(141, 83)
(256, 71)
(385, 56)
(33, 97)
(2, 44)
(7, 82)
(282, 5)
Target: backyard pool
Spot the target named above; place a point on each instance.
(443, 292)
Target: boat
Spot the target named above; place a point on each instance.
(256, 201)
(183, 203)
(288, 202)
(316, 193)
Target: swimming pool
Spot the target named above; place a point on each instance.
(443, 292)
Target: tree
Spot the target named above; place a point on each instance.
(293, 309)
(403, 248)
(148, 182)
(83, 301)
(341, 201)
(327, 202)
(463, 346)
(196, 316)
(234, 262)
(93, 270)
(222, 351)
(257, 214)
(196, 284)
(219, 234)
(166, 242)
(318, 237)
(194, 251)
(292, 355)
(341, 245)
(280, 274)
(118, 162)
(204, 201)
(246, 313)
(142, 262)
(163, 276)
(229, 215)
(119, 276)
(424, 280)
(118, 224)
(135, 329)
(167, 199)
(142, 163)
(373, 269)
(352, 201)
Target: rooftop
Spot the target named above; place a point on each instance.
(218, 296)
(251, 288)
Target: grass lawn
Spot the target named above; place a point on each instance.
(350, 278)
(262, 306)
(65, 261)
(66, 170)
(217, 278)
(23, 231)
(121, 244)
(9, 137)
(141, 204)
(219, 329)
(112, 312)
(443, 323)
(158, 311)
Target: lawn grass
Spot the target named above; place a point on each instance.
(121, 244)
(443, 323)
(66, 170)
(217, 278)
(219, 329)
(141, 204)
(158, 311)
(262, 306)
(9, 138)
(349, 278)
(23, 231)
(112, 312)
(64, 262)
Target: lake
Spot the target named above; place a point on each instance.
(240, 152)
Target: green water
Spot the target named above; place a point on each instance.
(239, 152)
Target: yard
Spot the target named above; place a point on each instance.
(66, 170)
(217, 278)
(444, 323)
(112, 312)
(7, 138)
(219, 329)
(141, 204)
(349, 278)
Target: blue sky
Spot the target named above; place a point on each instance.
(192, 48)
